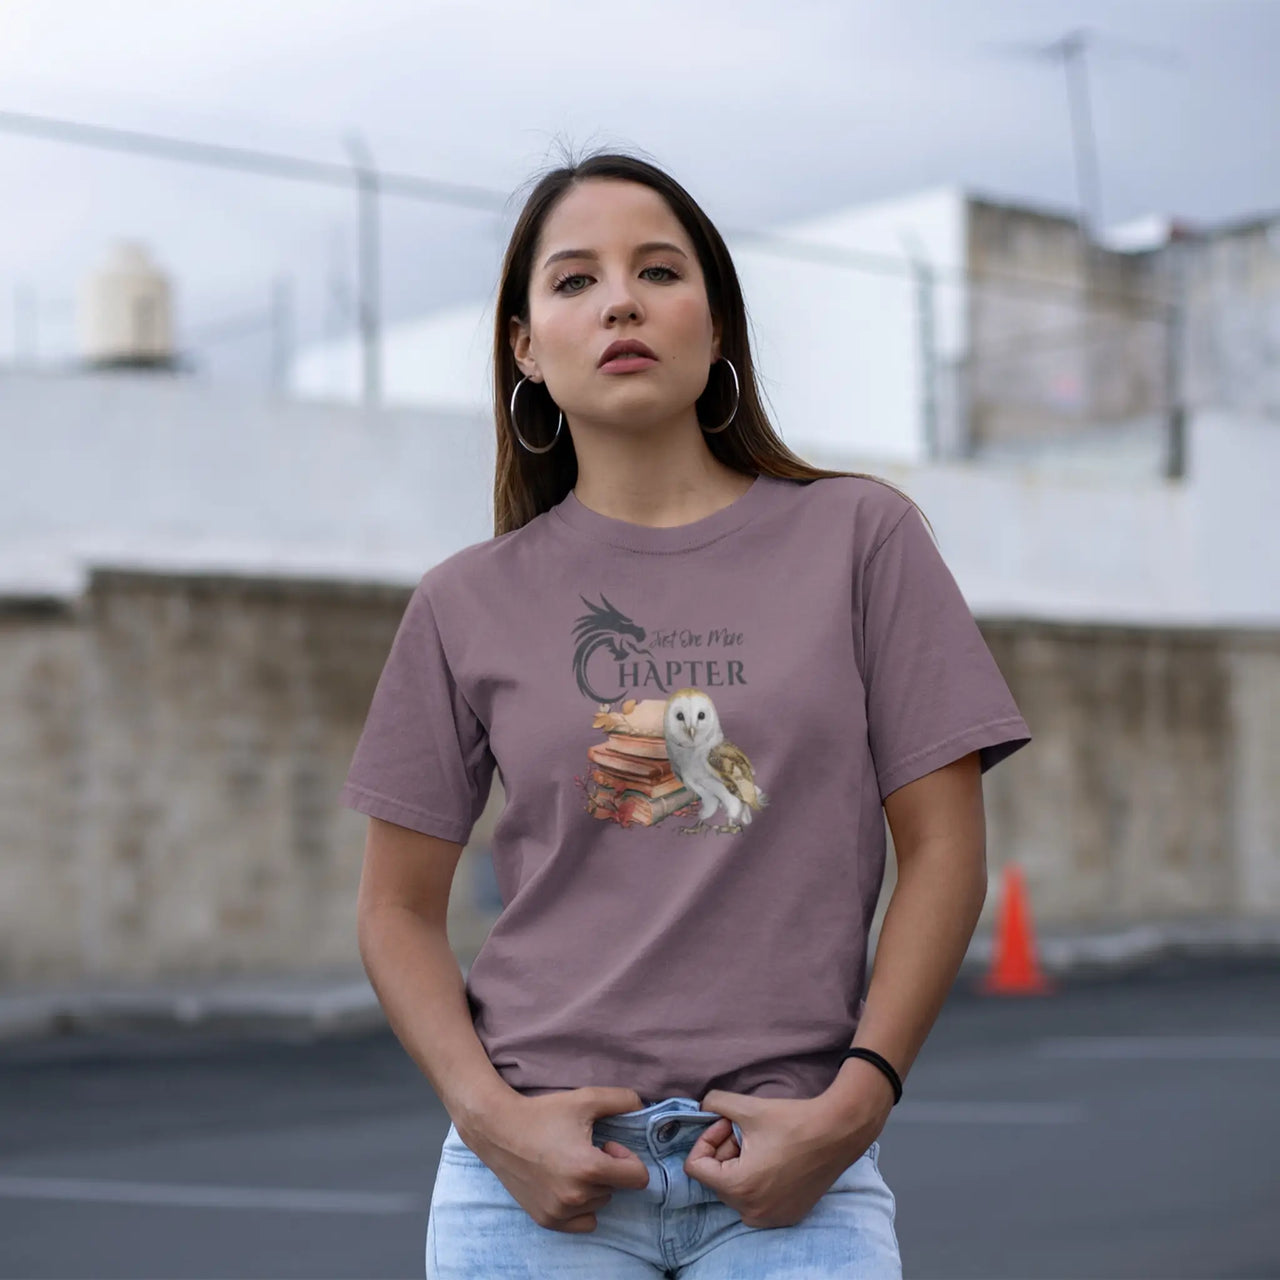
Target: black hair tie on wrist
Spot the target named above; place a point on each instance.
(872, 1056)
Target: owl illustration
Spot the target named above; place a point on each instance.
(716, 770)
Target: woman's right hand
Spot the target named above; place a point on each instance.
(541, 1150)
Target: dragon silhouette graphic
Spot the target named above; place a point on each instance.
(604, 627)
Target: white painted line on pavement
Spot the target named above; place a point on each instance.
(1162, 1048)
(208, 1196)
(988, 1113)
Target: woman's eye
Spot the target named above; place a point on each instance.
(562, 285)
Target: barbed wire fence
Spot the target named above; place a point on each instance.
(1039, 356)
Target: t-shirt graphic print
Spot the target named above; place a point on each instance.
(661, 757)
(695, 728)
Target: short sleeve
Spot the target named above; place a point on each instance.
(934, 692)
(423, 759)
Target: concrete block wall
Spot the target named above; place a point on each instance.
(44, 786)
(171, 748)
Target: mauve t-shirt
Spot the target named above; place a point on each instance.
(695, 727)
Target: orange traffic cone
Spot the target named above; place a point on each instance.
(1014, 967)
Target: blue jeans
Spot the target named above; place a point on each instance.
(674, 1227)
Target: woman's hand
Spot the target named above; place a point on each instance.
(541, 1150)
(792, 1150)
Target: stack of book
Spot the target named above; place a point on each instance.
(631, 780)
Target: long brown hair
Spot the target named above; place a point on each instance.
(527, 484)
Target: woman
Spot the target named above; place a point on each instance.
(706, 672)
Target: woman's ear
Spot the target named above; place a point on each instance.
(521, 339)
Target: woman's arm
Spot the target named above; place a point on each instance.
(540, 1148)
(939, 837)
(404, 944)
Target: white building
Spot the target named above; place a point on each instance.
(838, 347)
(144, 469)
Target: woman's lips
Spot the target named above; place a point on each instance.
(629, 363)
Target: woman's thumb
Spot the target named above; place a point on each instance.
(603, 1100)
(618, 1150)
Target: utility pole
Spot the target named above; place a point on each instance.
(369, 290)
(282, 326)
(927, 343)
(26, 326)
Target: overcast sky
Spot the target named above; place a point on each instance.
(767, 110)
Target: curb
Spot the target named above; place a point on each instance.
(345, 1003)
(1140, 947)
(324, 1007)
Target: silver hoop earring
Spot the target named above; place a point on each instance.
(531, 447)
(737, 395)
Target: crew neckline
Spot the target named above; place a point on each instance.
(677, 537)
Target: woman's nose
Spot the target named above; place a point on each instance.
(622, 305)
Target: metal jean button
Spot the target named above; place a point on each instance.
(668, 1131)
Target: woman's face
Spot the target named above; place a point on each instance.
(614, 263)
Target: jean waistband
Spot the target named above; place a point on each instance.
(667, 1125)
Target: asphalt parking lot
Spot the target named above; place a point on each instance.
(1121, 1127)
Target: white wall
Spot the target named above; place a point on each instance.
(154, 470)
(440, 361)
(140, 469)
(1026, 542)
(1235, 509)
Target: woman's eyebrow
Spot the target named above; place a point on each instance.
(648, 247)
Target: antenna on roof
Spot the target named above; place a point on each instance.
(1070, 50)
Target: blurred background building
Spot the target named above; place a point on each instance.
(199, 585)
(212, 513)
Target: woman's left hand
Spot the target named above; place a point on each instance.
(792, 1150)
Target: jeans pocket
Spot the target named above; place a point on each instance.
(456, 1151)
(864, 1169)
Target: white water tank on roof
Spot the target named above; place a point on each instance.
(126, 315)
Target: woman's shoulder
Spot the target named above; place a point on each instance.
(867, 506)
